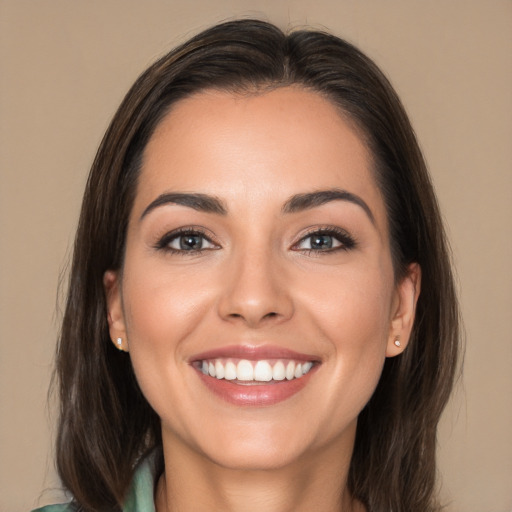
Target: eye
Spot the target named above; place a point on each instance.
(325, 240)
(186, 240)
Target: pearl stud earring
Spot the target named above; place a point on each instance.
(397, 343)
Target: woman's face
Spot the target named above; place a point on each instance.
(257, 297)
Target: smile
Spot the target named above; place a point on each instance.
(246, 371)
(254, 376)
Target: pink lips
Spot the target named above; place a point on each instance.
(253, 353)
(253, 393)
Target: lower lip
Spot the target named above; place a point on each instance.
(256, 395)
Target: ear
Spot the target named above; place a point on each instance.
(404, 310)
(115, 313)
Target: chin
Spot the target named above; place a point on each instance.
(242, 446)
(254, 456)
(273, 447)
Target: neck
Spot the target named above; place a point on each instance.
(316, 482)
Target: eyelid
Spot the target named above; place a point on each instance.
(346, 240)
(164, 241)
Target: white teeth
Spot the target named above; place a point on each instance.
(259, 371)
(219, 370)
(278, 372)
(306, 367)
(263, 371)
(244, 370)
(230, 371)
(290, 370)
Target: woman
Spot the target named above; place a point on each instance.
(261, 310)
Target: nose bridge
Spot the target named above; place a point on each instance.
(255, 291)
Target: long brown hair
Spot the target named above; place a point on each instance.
(106, 425)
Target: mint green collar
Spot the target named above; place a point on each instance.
(140, 497)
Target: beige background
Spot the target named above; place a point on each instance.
(64, 67)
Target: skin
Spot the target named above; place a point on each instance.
(256, 283)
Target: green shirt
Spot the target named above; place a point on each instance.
(140, 497)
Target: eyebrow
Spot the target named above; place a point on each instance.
(199, 202)
(301, 202)
(297, 203)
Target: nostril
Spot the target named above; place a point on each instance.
(267, 316)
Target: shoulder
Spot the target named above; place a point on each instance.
(140, 496)
(63, 507)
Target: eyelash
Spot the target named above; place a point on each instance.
(168, 238)
(346, 241)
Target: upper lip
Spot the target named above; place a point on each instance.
(253, 353)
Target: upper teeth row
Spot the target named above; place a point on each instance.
(261, 371)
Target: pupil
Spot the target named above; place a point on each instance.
(190, 242)
(321, 242)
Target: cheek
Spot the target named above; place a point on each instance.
(353, 305)
(161, 310)
(352, 313)
(160, 306)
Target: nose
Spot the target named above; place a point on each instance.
(256, 291)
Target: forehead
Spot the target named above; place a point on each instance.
(256, 147)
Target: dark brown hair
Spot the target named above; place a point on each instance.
(106, 425)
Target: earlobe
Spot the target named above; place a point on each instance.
(115, 314)
(404, 311)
